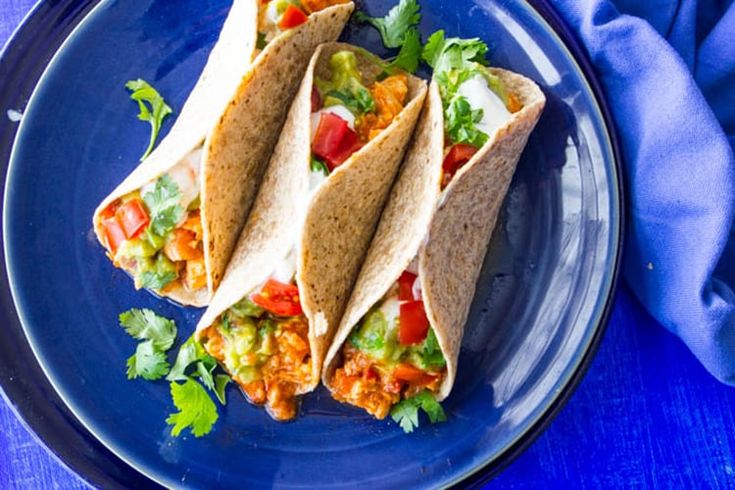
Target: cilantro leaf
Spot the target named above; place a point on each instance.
(410, 53)
(157, 279)
(163, 205)
(358, 101)
(193, 354)
(197, 411)
(148, 362)
(454, 61)
(394, 26)
(319, 166)
(220, 383)
(146, 325)
(431, 352)
(189, 353)
(406, 413)
(153, 108)
(460, 122)
(399, 29)
(446, 54)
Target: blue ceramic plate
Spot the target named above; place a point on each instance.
(538, 313)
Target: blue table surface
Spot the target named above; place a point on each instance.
(646, 415)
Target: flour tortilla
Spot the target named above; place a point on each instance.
(236, 110)
(333, 226)
(449, 230)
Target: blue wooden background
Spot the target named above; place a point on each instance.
(646, 415)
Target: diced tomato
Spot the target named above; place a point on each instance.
(133, 217)
(334, 141)
(458, 155)
(109, 211)
(316, 100)
(183, 245)
(411, 374)
(414, 325)
(405, 286)
(279, 298)
(114, 233)
(292, 17)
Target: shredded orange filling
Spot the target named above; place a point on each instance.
(364, 382)
(311, 6)
(390, 98)
(514, 104)
(284, 374)
(186, 249)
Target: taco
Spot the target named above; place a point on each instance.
(173, 222)
(402, 329)
(273, 317)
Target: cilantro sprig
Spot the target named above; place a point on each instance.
(193, 358)
(454, 61)
(399, 29)
(164, 206)
(153, 109)
(158, 335)
(196, 410)
(406, 413)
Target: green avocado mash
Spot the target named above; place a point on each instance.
(249, 339)
(378, 339)
(346, 88)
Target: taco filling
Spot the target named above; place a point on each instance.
(277, 16)
(393, 354)
(263, 340)
(346, 114)
(155, 233)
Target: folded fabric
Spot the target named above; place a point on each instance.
(668, 70)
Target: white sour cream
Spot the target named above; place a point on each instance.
(479, 95)
(391, 309)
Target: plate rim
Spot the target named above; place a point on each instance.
(24, 405)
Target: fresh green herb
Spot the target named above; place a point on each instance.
(319, 166)
(220, 383)
(346, 84)
(158, 334)
(197, 411)
(410, 54)
(157, 280)
(146, 325)
(431, 352)
(394, 26)
(261, 43)
(399, 29)
(448, 54)
(461, 123)
(148, 362)
(153, 108)
(358, 102)
(455, 61)
(163, 205)
(406, 413)
(192, 354)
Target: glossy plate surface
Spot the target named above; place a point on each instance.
(539, 305)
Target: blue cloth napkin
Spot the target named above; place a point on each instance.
(668, 68)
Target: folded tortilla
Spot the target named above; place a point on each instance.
(332, 225)
(448, 230)
(236, 111)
